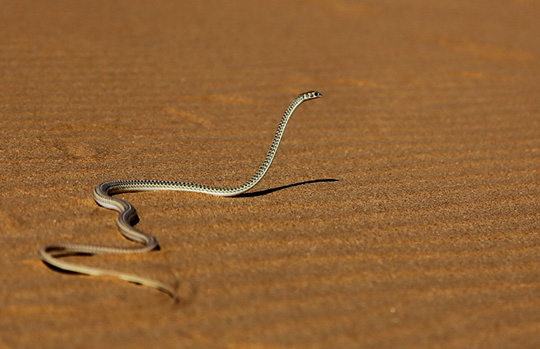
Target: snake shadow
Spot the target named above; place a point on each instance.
(271, 190)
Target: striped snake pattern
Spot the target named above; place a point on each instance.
(128, 215)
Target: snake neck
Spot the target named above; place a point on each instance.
(263, 168)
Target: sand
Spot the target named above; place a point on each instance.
(406, 210)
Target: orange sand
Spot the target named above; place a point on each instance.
(429, 123)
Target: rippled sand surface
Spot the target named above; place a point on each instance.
(403, 209)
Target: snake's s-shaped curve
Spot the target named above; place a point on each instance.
(128, 215)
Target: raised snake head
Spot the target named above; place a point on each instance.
(311, 95)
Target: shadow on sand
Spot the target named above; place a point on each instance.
(271, 190)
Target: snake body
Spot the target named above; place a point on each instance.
(128, 215)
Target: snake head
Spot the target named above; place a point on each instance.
(311, 95)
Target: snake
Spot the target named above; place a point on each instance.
(127, 215)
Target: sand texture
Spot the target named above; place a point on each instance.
(403, 209)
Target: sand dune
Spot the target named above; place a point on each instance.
(402, 209)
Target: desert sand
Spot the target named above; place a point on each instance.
(403, 209)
